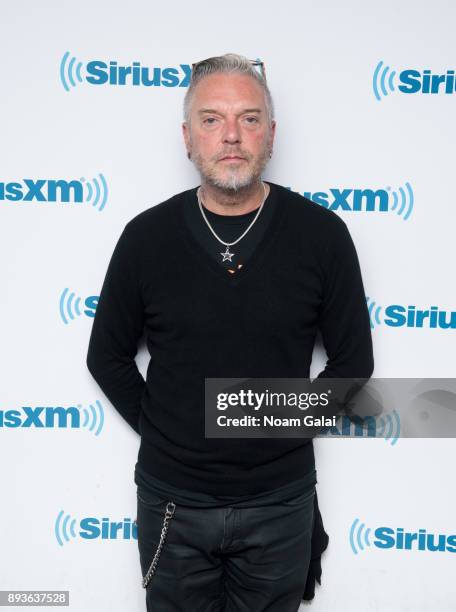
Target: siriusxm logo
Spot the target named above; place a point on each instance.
(94, 192)
(396, 315)
(70, 306)
(55, 417)
(361, 539)
(399, 201)
(92, 528)
(99, 72)
(387, 426)
(411, 81)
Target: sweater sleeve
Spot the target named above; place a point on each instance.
(344, 317)
(116, 329)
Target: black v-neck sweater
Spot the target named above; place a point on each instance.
(229, 228)
(201, 322)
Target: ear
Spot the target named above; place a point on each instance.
(272, 134)
(186, 135)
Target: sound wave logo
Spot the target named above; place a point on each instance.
(359, 536)
(374, 312)
(383, 80)
(93, 528)
(388, 426)
(93, 417)
(398, 315)
(412, 81)
(55, 417)
(69, 306)
(70, 71)
(402, 201)
(368, 200)
(64, 528)
(96, 191)
(110, 72)
(389, 538)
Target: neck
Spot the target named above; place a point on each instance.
(229, 202)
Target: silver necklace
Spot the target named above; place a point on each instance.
(227, 255)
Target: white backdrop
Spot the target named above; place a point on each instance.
(343, 123)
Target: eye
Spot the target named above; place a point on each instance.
(255, 119)
(209, 119)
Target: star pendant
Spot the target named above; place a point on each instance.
(227, 255)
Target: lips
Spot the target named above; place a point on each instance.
(233, 157)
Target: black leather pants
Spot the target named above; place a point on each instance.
(226, 559)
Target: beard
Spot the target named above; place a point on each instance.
(234, 177)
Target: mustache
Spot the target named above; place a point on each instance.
(233, 154)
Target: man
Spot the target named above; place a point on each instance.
(230, 280)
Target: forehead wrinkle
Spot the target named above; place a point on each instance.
(213, 110)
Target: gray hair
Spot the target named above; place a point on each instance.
(228, 63)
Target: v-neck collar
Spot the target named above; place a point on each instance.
(260, 252)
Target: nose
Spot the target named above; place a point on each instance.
(231, 132)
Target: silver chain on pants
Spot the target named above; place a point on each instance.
(169, 511)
